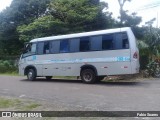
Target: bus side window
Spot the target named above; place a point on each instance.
(64, 46)
(46, 48)
(40, 48)
(121, 41)
(33, 48)
(118, 41)
(54, 47)
(74, 45)
(84, 44)
(96, 43)
(107, 42)
(125, 42)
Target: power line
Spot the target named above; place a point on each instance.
(148, 7)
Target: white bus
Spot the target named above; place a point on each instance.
(90, 55)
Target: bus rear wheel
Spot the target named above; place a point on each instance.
(88, 76)
(31, 74)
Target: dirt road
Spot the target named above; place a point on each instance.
(116, 96)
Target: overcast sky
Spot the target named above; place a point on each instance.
(148, 9)
(4, 4)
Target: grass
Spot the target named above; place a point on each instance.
(16, 104)
(7, 103)
(31, 106)
(10, 73)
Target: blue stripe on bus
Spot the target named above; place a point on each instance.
(108, 59)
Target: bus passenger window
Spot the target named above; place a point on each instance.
(46, 48)
(33, 48)
(107, 42)
(84, 44)
(64, 46)
(40, 48)
(74, 45)
(125, 43)
(96, 43)
(54, 47)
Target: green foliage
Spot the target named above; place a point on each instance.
(76, 11)
(144, 57)
(125, 19)
(7, 66)
(20, 12)
(152, 38)
(80, 15)
(26, 11)
(131, 20)
(44, 26)
(149, 45)
(65, 16)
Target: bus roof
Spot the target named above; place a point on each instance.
(84, 34)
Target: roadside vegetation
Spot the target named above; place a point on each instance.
(17, 104)
(8, 66)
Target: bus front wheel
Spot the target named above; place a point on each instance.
(31, 74)
(88, 76)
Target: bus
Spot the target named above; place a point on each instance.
(88, 55)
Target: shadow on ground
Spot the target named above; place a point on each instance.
(102, 83)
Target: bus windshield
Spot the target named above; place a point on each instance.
(29, 49)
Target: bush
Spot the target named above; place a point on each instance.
(144, 57)
(8, 66)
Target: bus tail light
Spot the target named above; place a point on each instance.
(135, 55)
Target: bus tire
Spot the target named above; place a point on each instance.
(88, 76)
(31, 74)
(48, 77)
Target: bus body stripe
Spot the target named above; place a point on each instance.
(86, 60)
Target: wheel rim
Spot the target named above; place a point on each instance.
(30, 75)
(87, 76)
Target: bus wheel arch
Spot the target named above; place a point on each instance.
(31, 72)
(88, 74)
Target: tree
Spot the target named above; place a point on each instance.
(122, 12)
(44, 26)
(20, 12)
(28, 19)
(131, 20)
(26, 11)
(152, 38)
(66, 16)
